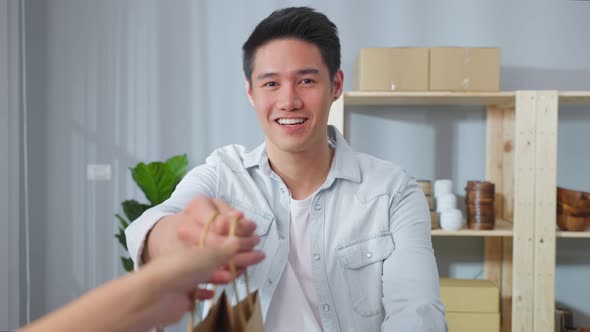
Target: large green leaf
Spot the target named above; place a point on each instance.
(155, 180)
(133, 209)
(178, 165)
(127, 263)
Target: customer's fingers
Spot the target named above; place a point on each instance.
(188, 267)
(245, 259)
(220, 276)
(219, 215)
(204, 294)
(191, 234)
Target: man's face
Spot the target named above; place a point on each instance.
(292, 94)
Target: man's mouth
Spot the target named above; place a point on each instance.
(290, 122)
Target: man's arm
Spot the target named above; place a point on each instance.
(411, 295)
(154, 233)
(178, 222)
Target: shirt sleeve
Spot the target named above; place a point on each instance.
(411, 295)
(199, 181)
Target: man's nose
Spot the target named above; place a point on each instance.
(289, 98)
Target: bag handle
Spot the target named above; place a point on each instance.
(232, 268)
(193, 296)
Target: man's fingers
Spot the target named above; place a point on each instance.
(224, 208)
(201, 207)
(188, 231)
(244, 227)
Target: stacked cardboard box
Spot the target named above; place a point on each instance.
(464, 69)
(428, 69)
(392, 69)
(471, 305)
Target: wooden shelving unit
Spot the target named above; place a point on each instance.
(521, 158)
(427, 98)
(574, 97)
(573, 235)
(502, 228)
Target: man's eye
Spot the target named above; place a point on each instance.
(270, 84)
(307, 81)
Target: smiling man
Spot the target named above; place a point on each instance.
(346, 235)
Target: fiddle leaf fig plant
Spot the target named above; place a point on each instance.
(157, 180)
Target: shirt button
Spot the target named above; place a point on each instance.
(316, 257)
(369, 255)
(326, 307)
(283, 190)
(317, 207)
(268, 282)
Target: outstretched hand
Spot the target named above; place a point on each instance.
(178, 275)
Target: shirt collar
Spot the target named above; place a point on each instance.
(344, 165)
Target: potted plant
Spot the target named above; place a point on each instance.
(157, 180)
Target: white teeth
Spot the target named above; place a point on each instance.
(290, 121)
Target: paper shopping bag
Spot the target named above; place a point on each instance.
(245, 316)
(223, 317)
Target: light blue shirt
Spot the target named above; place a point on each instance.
(371, 253)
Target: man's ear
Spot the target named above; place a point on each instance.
(249, 91)
(338, 84)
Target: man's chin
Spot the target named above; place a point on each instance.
(290, 147)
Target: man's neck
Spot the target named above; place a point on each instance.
(303, 172)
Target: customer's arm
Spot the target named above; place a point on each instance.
(158, 294)
(411, 295)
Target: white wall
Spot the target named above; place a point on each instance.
(10, 153)
(117, 82)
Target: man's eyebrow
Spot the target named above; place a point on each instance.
(308, 71)
(305, 71)
(266, 75)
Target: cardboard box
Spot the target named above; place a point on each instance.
(392, 69)
(464, 69)
(469, 296)
(469, 322)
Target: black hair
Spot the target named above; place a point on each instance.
(301, 23)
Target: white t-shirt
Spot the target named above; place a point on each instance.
(294, 304)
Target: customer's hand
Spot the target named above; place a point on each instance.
(177, 275)
(184, 229)
(201, 210)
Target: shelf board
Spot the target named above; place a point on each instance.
(585, 234)
(574, 97)
(502, 228)
(428, 98)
